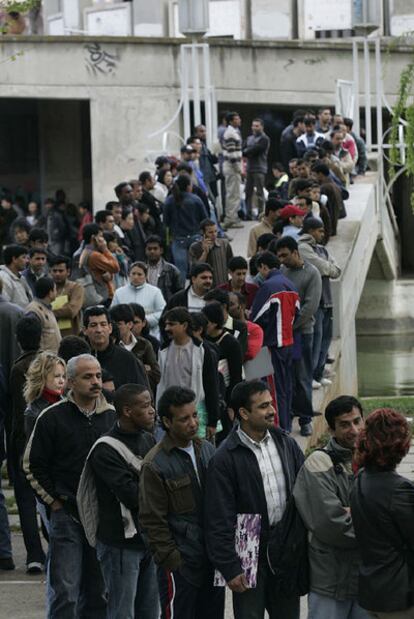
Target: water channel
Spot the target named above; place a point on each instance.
(385, 364)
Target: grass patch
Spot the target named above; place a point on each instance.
(404, 405)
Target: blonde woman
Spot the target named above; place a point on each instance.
(45, 384)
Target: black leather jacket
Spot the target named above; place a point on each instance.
(382, 505)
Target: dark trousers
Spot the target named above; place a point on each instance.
(78, 589)
(303, 376)
(282, 362)
(322, 337)
(254, 179)
(252, 603)
(26, 505)
(181, 599)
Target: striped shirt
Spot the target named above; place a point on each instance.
(232, 145)
(270, 466)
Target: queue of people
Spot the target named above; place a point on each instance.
(149, 379)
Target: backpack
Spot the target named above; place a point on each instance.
(86, 497)
(287, 548)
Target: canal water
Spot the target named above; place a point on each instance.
(385, 365)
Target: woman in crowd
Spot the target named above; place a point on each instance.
(382, 507)
(34, 215)
(45, 384)
(183, 213)
(139, 291)
(163, 185)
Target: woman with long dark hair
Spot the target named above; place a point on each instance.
(183, 213)
(382, 508)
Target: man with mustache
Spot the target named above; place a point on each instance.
(252, 473)
(55, 454)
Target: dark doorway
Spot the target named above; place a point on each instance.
(45, 145)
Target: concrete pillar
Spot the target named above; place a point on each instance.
(121, 147)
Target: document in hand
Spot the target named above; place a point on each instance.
(247, 541)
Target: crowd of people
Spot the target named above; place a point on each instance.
(149, 378)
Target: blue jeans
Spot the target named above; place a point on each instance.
(303, 374)
(179, 250)
(5, 540)
(131, 582)
(322, 607)
(76, 582)
(322, 337)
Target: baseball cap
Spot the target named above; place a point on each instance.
(290, 211)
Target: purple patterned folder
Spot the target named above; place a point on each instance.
(247, 540)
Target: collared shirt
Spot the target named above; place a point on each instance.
(270, 466)
(195, 303)
(154, 271)
(131, 345)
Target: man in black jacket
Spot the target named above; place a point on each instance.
(252, 472)
(128, 569)
(53, 461)
(123, 366)
(201, 277)
(255, 151)
(161, 273)
(235, 327)
(172, 493)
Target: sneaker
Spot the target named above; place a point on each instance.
(306, 429)
(7, 563)
(34, 567)
(325, 382)
(330, 360)
(316, 384)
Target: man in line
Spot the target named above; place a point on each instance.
(310, 139)
(127, 567)
(53, 461)
(172, 496)
(232, 155)
(322, 495)
(275, 308)
(161, 273)
(237, 283)
(235, 327)
(36, 268)
(255, 151)
(41, 307)
(308, 282)
(293, 217)
(207, 161)
(311, 250)
(67, 306)
(121, 364)
(213, 251)
(97, 259)
(253, 472)
(123, 316)
(288, 139)
(15, 287)
(192, 297)
(272, 211)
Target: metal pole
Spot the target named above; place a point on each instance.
(207, 95)
(186, 102)
(355, 63)
(368, 128)
(196, 83)
(378, 80)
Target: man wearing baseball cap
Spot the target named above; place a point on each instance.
(293, 217)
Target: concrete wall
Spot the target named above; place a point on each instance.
(134, 89)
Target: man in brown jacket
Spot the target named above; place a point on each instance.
(97, 258)
(45, 291)
(67, 306)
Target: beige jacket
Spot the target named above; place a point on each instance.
(51, 337)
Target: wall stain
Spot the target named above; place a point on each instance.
(315, 60)
(289, 62)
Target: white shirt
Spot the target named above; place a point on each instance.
(270, 466)
(195, 303)
(190, 451)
